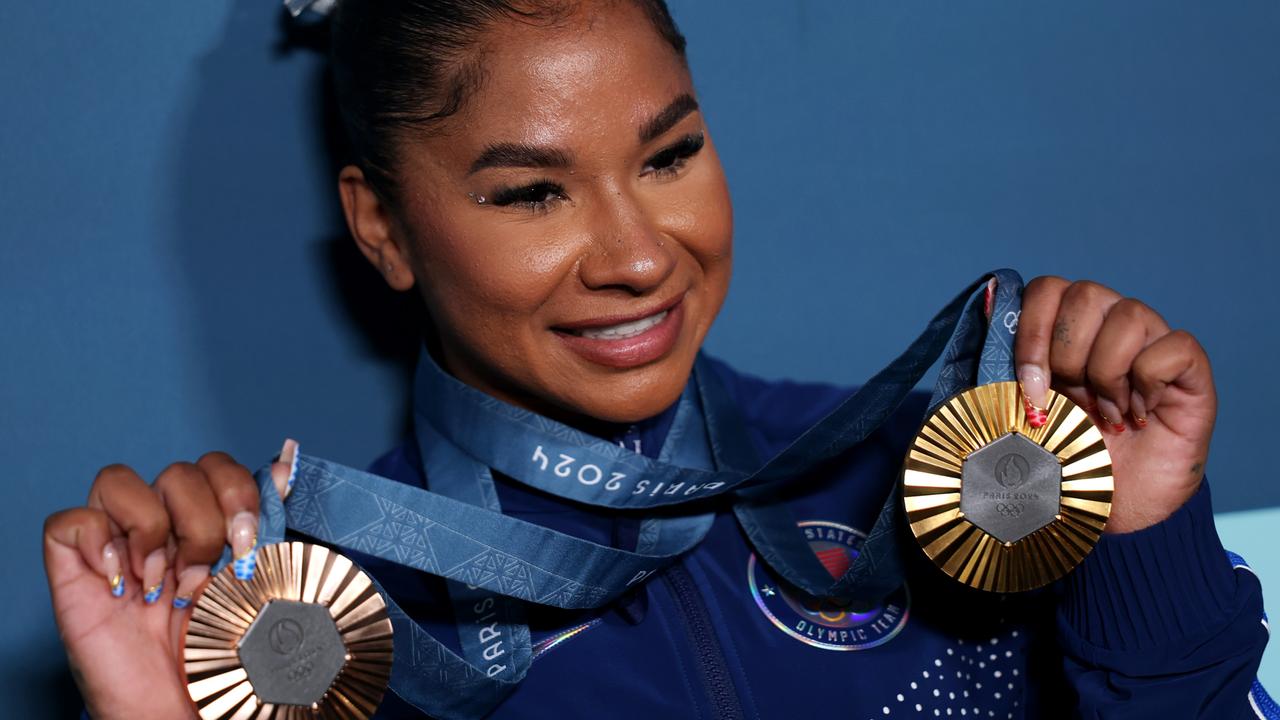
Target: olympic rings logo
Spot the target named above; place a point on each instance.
(1010, 510)
(1010, 321)
(301, 671)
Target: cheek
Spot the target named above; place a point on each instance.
(704, 222)
(490, 278)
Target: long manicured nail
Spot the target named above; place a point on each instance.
(284, 470)
(989, 298)
(1111, 415)
(244, 544)
(115, 574)
(153, 576)
(289, 456)
(188, 582)
(1034, 393)
(1138, 409)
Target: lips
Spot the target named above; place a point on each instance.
(626, 341)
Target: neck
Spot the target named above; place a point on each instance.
(597, 427)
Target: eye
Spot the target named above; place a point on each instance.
(537, 196)
(669, 160)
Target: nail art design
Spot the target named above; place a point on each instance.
(1033, 386)
(153, 569)
(1138, 409)
(1115, 426)
(115, 574)
(246, 563)
(244, 545)
(289, 454)
(1036, 417)
(188, 581)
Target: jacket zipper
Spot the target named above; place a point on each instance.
(697, 624)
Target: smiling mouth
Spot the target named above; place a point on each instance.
(621, 331)
(623, 342)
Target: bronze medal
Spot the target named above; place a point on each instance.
(307, 637)
(1000, 505)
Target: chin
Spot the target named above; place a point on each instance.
(632, 396)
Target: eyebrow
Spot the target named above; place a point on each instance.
(673, 113)
(510, 154)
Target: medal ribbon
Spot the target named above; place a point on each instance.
(456, 529)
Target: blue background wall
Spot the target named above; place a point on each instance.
(174, 278)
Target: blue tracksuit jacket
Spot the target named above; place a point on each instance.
(1153, 624)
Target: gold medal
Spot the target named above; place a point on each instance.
(1000, 505)
(307, 637)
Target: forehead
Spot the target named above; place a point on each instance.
(601, 67)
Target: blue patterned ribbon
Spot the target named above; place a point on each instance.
(457, 531)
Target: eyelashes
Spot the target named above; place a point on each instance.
(541, 195)
(537, 196)
(669, 160)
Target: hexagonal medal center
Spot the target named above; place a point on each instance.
(1011, 487)
(292, 652)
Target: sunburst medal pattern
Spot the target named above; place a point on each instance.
(307, 638)
(1000, 505)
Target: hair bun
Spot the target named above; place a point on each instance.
(319, 7)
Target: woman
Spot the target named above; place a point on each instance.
(541, 175)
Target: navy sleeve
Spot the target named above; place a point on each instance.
(1157, 623)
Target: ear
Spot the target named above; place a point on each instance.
(372, 226)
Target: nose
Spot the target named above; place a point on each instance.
(629, 250)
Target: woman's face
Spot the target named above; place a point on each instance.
(570, 229)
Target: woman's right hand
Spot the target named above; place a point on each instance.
(125, 569)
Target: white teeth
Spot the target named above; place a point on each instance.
(624, 330)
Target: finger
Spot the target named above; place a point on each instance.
(237, 495)
(1174, 359)
(1040, 301)
(136, 510)
(1129, 326)
(198, 526)
(79, 540)
(1081, 310)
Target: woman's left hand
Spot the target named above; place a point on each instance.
(1149, 389)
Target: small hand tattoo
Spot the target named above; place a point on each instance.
(1195, 469)
(1061, 333)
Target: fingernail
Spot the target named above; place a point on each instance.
(289, 456)
(1036, 417)
(153, 575)
(1109, 413)
(188, 582)
(244, 544)
(284, 470)
(1138, 409)
(115, 575)
(1034, 392)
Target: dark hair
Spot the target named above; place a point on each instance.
(403, 65)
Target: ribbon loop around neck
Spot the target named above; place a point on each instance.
(462, 536)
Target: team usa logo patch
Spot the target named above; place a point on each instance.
(825, 624)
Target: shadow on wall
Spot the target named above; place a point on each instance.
(288, 329)
(295, 332)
